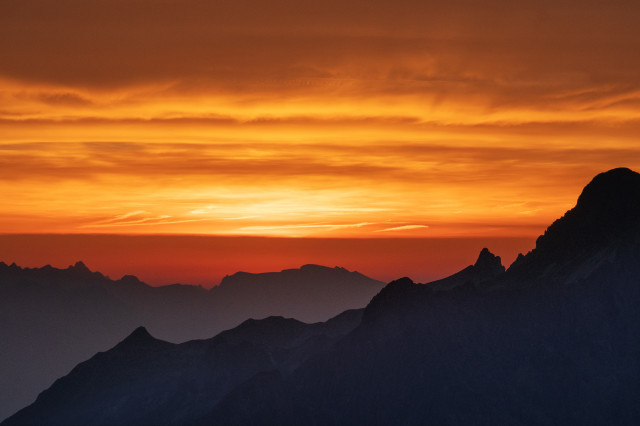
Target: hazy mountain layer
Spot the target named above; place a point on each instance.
(51, 319)
(154, 382)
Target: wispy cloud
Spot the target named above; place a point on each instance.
(123, 217)
(138, 218)
(203, 210)
(402, 228)
(297, 228)
(241, 218)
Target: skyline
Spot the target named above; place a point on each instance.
(205, 261)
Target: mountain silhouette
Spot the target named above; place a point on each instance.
(140, 339)
(487, 267)
(51, 319)
(603, 223)
(328, 291)
(554, 339)
(155, 382)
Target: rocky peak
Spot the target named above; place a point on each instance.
(606, 214)
(488, 261)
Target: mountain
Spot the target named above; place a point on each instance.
(554, 339)
(328, 291)
(51, 319)
(603, 224)
(487, 267)
(149, 381)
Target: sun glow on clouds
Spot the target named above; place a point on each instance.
(336, 119)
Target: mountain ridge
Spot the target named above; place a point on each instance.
(604, 219)
(551, 340)
(244, 354)
(75, 312)
(487, 267)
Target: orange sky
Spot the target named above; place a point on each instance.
(289, 118)
(205, 260)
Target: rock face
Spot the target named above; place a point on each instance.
(553, 340)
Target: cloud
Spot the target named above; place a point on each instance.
(394, 160)
(70, 99)
(298, 229)
(136, 214)
(138, 218)
(203, 210)
(123, 114)
(531, 52)
(403, 228)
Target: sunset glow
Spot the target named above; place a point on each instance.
(323, 119)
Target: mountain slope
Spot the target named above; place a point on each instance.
(487, 267)
(75, 312)
(143, 380)
(554, 340)
(603, 222)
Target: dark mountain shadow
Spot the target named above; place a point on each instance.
(555, 339)
(143, 380)
(51, 319)
(603, 222)
(487, 267)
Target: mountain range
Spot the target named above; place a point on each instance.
(51, 319)
(553, 339)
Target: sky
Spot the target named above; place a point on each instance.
(297, 119)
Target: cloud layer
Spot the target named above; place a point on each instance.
(311, 118)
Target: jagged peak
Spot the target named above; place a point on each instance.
(140, 340)
(519, 259)
(141, 332)
(13, 266)
(486, 258)
(80, 266)
(138, 335)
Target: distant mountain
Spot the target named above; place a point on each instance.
(51, 319)
(185, 380)
(555, 339)
(312, 293)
